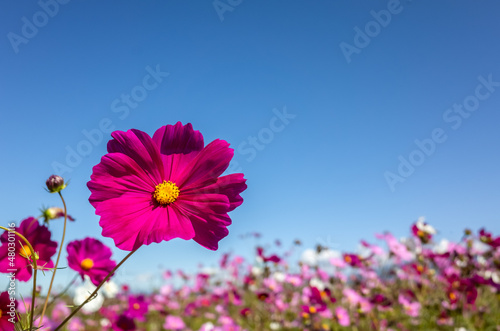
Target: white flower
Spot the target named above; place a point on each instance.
(110, 289)
(279, 276)
(495, 278)
(274, 326)
(481, 260)
(256, 271)
(312, 258)
(441, 247)
(421, 225)
(208, 326)
(309, 257)
(328, 254)
(83, 292)
(105, 323)
(318, 283)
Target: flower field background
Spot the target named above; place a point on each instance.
(388, 284)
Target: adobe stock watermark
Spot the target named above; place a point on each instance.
(121, 106)
(454, 117)
(250, 147)
(11, 276)
(223, 6)
(372, 29)
(29, 28)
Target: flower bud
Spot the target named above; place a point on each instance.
(55, 184)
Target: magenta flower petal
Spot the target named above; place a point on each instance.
(203, 170)
(231, 186)
(141, 222)
(118, 174)
(178, 139)
(141, 148)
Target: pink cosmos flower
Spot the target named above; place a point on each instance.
(90, 257)
(39, 238)
(174, 323)
(137, 307)
(342, 316)
(411, 308)
(168, 186)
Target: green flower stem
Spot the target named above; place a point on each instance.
(35, 267)
(95, 291)
(57, 261)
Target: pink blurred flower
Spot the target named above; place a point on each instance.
(342, 316)
(174, 323)
(411, 308)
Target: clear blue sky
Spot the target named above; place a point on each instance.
(360, 101)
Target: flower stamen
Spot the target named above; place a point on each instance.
(87, 264)
(166, 192)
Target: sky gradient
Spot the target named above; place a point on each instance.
(347, 117)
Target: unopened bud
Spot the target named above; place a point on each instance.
(55, 184)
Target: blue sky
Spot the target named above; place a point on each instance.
(361, 81)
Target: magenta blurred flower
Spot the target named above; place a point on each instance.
(124, 323)
(271, 258)
(7, 312)
(487, 238)
(39, 238)
(353, 260)
(137, 307)
(90, 257)
(174, 323)
(154, 189)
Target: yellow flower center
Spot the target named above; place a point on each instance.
(136, 306)
(348, 259)
(25, 251)
(452, 296)
(1, 313)
(312, 310)
(166, 192)
(87, 264)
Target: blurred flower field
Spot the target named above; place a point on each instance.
(389, 284)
